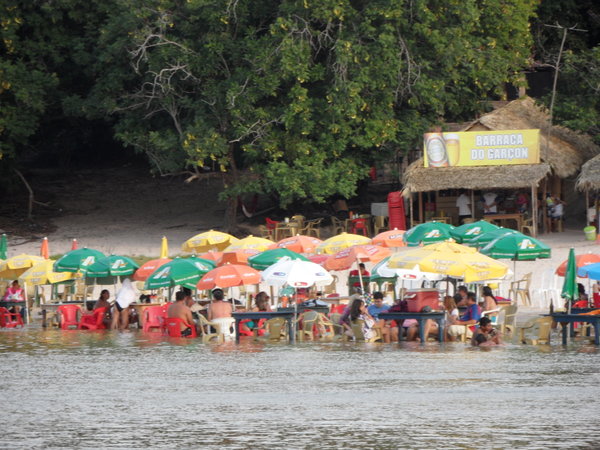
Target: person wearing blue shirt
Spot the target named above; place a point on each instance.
(469, 318)
(377, 307)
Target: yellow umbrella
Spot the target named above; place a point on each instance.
(251, 243)
(164, 248)
(452, 259)
(342, 241)
(13, 267)
(209, 241)
(43, 273)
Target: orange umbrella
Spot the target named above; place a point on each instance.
(344, 259)
(237, 256)
(228, 276)
(580, 261)
(300, 243)
(148, 268)
(44, 251)
(211, 256)
(391, 238)
(74, 244)
(318, 259)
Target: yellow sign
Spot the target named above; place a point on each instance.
(481, 148)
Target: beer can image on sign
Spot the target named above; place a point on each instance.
(435, 150)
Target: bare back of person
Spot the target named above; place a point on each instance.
(219, 310)
(179, 310)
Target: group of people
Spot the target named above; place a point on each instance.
(477, 327)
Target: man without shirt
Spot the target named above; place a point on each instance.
(179, 310)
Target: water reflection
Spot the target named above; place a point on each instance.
(132, 390)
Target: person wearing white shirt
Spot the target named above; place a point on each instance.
(489, 203)
(463, 203)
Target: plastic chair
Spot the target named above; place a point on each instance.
(306, 323)
(330, 329)
(520, 289)
(94, 321)
(271, 224)
(510, 319)
(207, 336)
(357, 329)
(527, 225)
(10, 320)
(154, 317)
(173, 326)
(69, 316)
(380, 223)
(266, 233)
(312, 228)
(336, 309)
(339, 226)
(359, 225)
(536, 331)
(274, 329)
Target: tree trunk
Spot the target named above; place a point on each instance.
(232, 206)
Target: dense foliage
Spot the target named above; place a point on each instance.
(296, 98)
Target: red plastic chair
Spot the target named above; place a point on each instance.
(154, 317)
(359, 226)
(173, 326)
(337, 309)
(10, 320)
(94, 321)
(68, 316)
(271, 224)
(244, 332)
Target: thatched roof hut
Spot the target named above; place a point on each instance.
(589, 178)
(562, 154)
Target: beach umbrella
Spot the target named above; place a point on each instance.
(111, 266)
(318, 259)
(383, 272)
(164, 248)
(296, 273)
(211, 256)
(239, 256)
(391, 238)
(77, 260)
(250, 243)
(3, 246)
(344, 259)
(451, 259)
(44, 250)
(13, 267)
(516, 246)
(146, 269)
(74, 245)
(179, 272)
(267, 258)
(300, 243)
(591, 271)
(484, 239)
(229, 276)
(469, 231)
(209, 240)
(428, 233)
(43, 273)
(569, 289)
(581, 262)
(340, 242)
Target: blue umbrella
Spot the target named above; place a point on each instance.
(591, 271)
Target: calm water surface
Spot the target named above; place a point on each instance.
(133, 390)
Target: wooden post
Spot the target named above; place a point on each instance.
(421, 207)
(544, 204)
(587, 205)
(410, 207)
(534, 208)
(472, 204)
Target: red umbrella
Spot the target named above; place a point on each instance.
(319, 259)
(148, 268)
(211, 256)
(580, 261)
(299, 243)
(391, 238)
(237, 256)
(229, 275)
(344, 259)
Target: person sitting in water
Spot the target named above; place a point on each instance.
(470, 318)
(462, 291)
(378, 306)
(485, 335)
(120, 313)
(261, 303)
(14, 293)
(358, 310)
(489, 301)
(220, 311)
(361, 272)
(103, 302)
(180, 310)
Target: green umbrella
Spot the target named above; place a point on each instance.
(428, 233)
(267, 258)
(484, 239)
(179, 272)
(380, 273)
(569, 290)
(3, 247)
(469, 231)
(113, 265)
(516, 246)
(77, 260)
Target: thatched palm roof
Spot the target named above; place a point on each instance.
(589, 178)
(563, 154)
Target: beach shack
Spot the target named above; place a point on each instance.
(589, 182)
(513, 147)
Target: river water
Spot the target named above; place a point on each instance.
(134, 390)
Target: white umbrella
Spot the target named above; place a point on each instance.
(296, 273)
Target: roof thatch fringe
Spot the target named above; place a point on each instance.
(567, 150)
(589, 178)
(419, 179)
